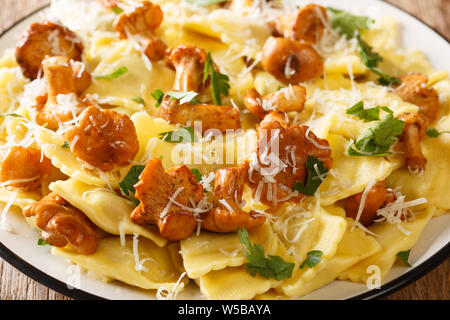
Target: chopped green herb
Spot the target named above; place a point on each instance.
(127, 184)
(371, 60)
(367, 115)
(348, 23)
(205, 3)
(184, 97)
(316, 173)
(377, 140)
(139, 100)
(42, 242)
(270, 267)
(280, 87)
(197, 174)
(117, 10)
(183, 135)
(404, 256)
(66, 145)
(219, 82)
(119, 72)
(312, 258)
(158, 95)
(11, 115)
(433, 133)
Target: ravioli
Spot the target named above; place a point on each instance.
(105, 209)
(115, 261)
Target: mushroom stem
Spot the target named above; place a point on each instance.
(58, 73)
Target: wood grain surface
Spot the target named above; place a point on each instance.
(434, 285)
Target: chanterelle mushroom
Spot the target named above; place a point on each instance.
(103, 138)
(43, 39)
(189, 62)
(61, 223)
(61, 102)
(280, 159)
(378, 197)
(287, 99)
(291, 61)
(165, 197)
(227, 214)
(414, 131)
(306, 25)
(210, 116)
(413, 89)
(23, 168)
(141, 22)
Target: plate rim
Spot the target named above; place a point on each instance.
(388, 288)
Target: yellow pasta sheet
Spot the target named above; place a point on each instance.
(392, 241)
(105, 209)
(115, 261)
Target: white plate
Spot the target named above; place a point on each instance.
(19, 247)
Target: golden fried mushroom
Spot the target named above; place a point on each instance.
(81, 77)
(23, 168)
(43, 39)
(189, 62)
(413, 88)
(48, 110)
(281, 157)
(377, 197)
(306, 25)
(291, 61)
(414, 131)
(142, 21)
(210, 116)
(103, 138)
(154, 188)
(61, 223)
(227, 215)
(287, 99)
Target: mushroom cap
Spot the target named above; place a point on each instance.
(42, 39)
(291, 61)
(144, 19)
(308, 25)
(413, 88)
(177, 55)
(105, 138)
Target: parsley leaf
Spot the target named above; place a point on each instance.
(139, 100)
(158, 95)
(347, 23)
(183, 135)
(314, 176)
(205, 3)
(65, 145)
(367, 115)
(377, 140)
(219, 82)
(42, 242)
(404, 255)
(117, 10)
(433, 133)
(312, 258)
(197, 174)
(371, 60)
(127, 184)
(270, 267)
(114, 75)
(184, 97)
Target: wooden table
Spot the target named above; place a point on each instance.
(435, 285)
